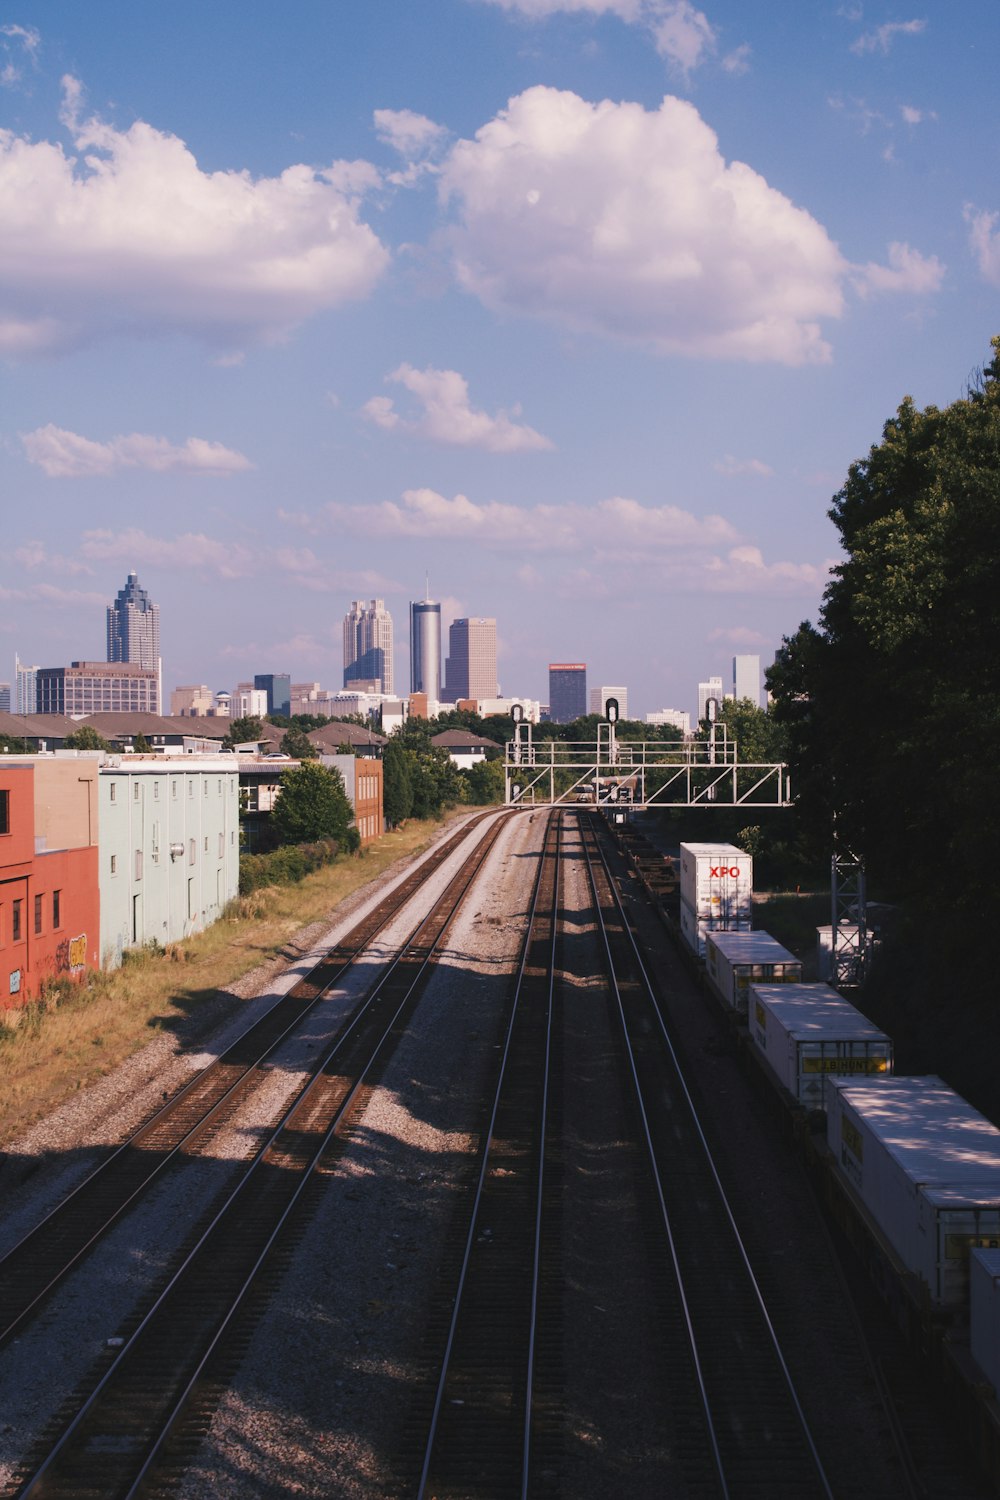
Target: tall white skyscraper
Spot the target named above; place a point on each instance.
(425, 649)
(134, 632)
(368, 649)
(746, 678)
(471, 668)
(710, 689)
(25, 688)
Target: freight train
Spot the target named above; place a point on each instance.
(909, 1170)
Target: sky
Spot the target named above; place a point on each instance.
(575, 312)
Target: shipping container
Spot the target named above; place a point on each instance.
(984, 1312)
(716, 891)
(926, 1167)
(735, 960)
(807, 1032)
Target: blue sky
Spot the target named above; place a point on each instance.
(581, 307)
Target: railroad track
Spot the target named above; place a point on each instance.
(38, 1263)
(128, 1428)
(747, 1438)
(482, 1430)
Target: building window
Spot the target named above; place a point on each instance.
(135, 791)
(206, 786)
(206, 843)
(114, 791)
(190, 788)
(15, 921)
(138, 864)
(38, 913)
(56, 908)
(173, 790)
(192, 851)
(222, 844)
(114, 864)
(156, 791)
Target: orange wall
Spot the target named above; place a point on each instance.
(49, 943)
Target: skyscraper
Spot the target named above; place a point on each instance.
(706, 690)
(134, 632)
(471, 668)
(425, 649)
(746, 678)
(25, 688)
(278, 687)
(599, 700)
(368, 654)
(567, 691)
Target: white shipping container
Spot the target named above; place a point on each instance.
(695, 930)
(717, 884)
(984, 1312)
(735, 960)
(926, 1166)
(807, 1032)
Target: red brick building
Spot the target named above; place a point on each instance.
(49, 902)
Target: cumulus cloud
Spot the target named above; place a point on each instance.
(882, 38)
(611, 219)
(448, 416)
(682, 34)
(907, 271)
(67, 455)
(406, 132)
(742, 570)
(732, 467)
(131, 236)
(609, 524)
(984, 239)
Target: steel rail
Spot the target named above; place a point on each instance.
(143, 1171)
(709, 1160)
(44, 1481)
(551, 851)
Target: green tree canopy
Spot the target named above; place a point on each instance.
(243, 731)
(311, 805)
(296, 743)
(397, 783)
(85, 738)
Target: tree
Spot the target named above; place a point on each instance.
(311, 805)
(397, 784)
(244, 731)
(85, 738)
(486, 782)
(296, 743)
(141, 745)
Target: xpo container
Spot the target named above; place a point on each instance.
(926, 1167)
(716, 891)
(736, 960)
(807, 1032)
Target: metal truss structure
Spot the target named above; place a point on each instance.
(851, 948)
(641, 773)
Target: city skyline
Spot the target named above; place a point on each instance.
(589, 326)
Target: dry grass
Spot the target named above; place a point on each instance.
(77, 1033)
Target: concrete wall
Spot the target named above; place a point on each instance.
(169, 849)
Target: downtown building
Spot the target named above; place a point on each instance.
(368, 647)
(471, 666)
(599, 700)
(96, 687)
(133, 635)
(425, 649)
(567, 691)
(746, 678)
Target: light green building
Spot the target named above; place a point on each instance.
(169, 848)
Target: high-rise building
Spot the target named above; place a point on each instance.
(471, 668)
(25, 688)
(567, 691)
(599, 700)
(97, 687)
(368, 652)
(706, 690)
(278, 687)
(677, 718)
(134, 632)
(425, 649)
(746, 678)
(4, 697)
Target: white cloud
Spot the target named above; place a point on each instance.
(449, 418)
(408, 133)
(615, 220)
(682, 34)
(19, 46)
(882, 38)
(743, 570)
(132, 237)
(67, 455)
(606, 526)
(984, 240)
(907, 271)
(738, 61)
(734, 466)
(738, 635)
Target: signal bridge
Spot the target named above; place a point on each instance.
(641, 773)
